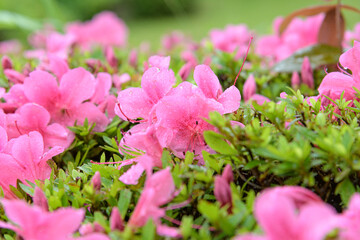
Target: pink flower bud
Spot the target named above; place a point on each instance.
(111, 58)
(116, 222)
(307, 73)
(6, 62)
(14, 76)
(133, 58)
(228, 174)
(249, 88)
(222, 192)
(119, 80)
(40, 199)
(95, 65)
(96, 181)
(185, 71)
(295, 80)
(89, 228)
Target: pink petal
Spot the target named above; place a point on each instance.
(76, 86)
(64, 222)
(336, 82)
(92, 113)
(134, 103)
(163, 184)
(131, 176)
(103, 85)
(207, 81)
(3, 138)
(58, 66)
(41, 87)
(157, 83)
(260, 99)
(249, 88)
(159, 62)
(351, 59)
(230, 99)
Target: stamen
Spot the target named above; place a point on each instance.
(342, 70)
(247, 52)
(128, 119)
(325, 70)
(17, 127)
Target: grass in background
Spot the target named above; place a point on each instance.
(209, 14)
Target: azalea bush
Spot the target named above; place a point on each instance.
(240, 136)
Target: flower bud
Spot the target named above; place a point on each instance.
(40, 199)
(111, 58)
(133, 58)
(6, 62)
(96, 181)
(307, 73)
(116, 222)
(228, 174)
(249, 87)
(222, 192)
(295, 80)
(14, 76)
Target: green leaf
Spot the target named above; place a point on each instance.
(148, 231)
(346, 189)
(209, 210)
(166, 159)
(318, 55)
(124, 201)
(216, 142)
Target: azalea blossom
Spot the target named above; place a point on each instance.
(292, 212)
(17, 164)
(33, 222)
(105, 29)
(299, 34)
(159, 189)
(65, 102)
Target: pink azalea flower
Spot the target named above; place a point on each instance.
(33, 222)
(181, 121)
(143, 138)
(66, 103)
(139, 102)
(233, 38)
(335, 83)
(159, 189)
(33, 117)
(209, 84)
(10, 46)
(14, 98)
(105, 29)
(299, 34)
(16, 162)
(293, 213)
(350, 219)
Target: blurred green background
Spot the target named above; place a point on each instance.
(149, 20)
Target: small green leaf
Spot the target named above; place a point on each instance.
(124, 201)
(346, 189)
(148, 231)
(216, 141)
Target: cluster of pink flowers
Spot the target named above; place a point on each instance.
(300, 33)
(40, 104)
(172, 118)
(292, 212)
